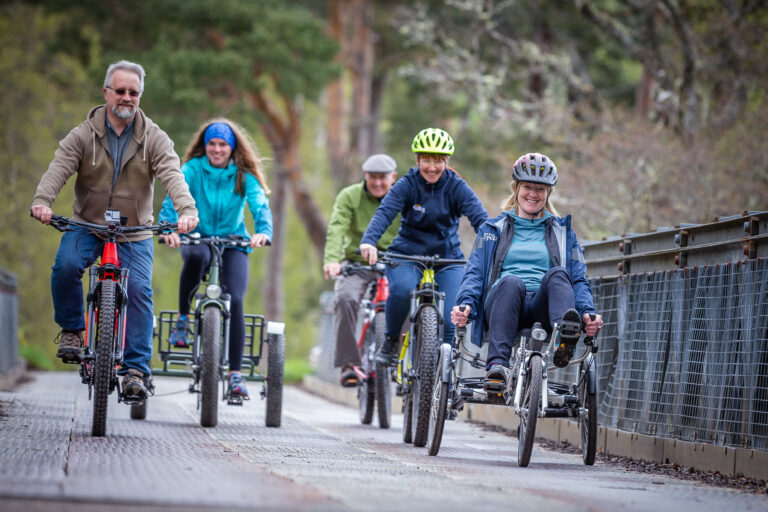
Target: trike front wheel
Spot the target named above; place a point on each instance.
(588, 413)
(529, 410)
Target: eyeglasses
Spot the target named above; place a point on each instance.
(121, 92)
(432, 159)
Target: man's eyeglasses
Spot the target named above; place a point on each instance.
(121, 92)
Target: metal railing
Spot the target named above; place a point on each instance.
(9, 323)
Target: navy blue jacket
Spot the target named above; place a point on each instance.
(430, 215)
(482, 267)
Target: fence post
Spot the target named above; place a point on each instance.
(10, 365)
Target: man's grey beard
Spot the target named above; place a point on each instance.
(123, 114)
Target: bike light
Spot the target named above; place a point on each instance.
(213, 291)
(539, 334)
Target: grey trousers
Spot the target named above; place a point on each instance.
(348, 290)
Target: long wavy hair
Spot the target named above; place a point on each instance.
(245, 155)
(510, 203)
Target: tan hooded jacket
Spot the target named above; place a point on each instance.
(149, 155)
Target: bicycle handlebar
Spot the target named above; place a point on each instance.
(354, 268)
(388, 258)
(230, 241)
(62, 223)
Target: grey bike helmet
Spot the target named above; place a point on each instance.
(535, 168)
(380, 163)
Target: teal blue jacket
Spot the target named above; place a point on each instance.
(221, 209)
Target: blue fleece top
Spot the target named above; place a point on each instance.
(221, 209)
(527, 256)
(430, 214)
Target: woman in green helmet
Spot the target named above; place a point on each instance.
(431, 198)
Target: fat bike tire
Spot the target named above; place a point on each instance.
(426, 357)
(209, 366)
(105, 357)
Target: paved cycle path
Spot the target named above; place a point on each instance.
(321, 458)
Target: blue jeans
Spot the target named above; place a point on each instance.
(509, 307)
(77, 251)
(403, 279)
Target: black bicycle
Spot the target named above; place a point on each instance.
(415, 370)
(208, 361)
(106, 306)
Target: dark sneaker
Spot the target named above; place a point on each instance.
(136, 387)
(496, 378)
(387, 353)
(70, 346)
(569, 331)
(236, 387)
(180, 334)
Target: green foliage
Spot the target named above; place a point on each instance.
(296, 369)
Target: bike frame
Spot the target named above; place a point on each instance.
(374, 301)
(425, 295)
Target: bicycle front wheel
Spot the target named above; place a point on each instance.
(366, 389)
(439, 404)
(209, 367)
(382, 379)
(426, 357)
(588, 413)
(529, 410)
(105, 356)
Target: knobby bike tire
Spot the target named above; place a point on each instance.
(274, 382)
(209, 366)
(407, 419)
(422, 386)
(438, 408)
(366, 389)
(382, 380)
(529, 411)
(588, 418)
(105, 356)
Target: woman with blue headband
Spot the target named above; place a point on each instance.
(224, 173)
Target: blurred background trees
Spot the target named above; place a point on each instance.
(655, 111)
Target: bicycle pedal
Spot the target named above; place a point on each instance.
(234, 400)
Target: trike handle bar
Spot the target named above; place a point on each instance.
(223, 241)
(65, 224)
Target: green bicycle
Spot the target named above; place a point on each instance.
(415, 369)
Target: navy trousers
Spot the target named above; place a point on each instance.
(509, 307)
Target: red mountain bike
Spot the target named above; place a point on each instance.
(105, 321)
(375, 385)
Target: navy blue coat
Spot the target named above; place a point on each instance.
(430, 215)
(564, 251)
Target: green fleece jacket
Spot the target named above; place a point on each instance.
(352, 211)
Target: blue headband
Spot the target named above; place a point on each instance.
(220, 131)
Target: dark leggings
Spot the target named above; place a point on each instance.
(509, 307)
(234, 281)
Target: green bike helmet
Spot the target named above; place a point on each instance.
(432, 140)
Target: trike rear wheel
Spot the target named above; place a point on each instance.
(274, 383)
(209, 366)
(529, 410)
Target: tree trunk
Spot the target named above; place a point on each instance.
(274, 296)
(361, 65)
(338, 144)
